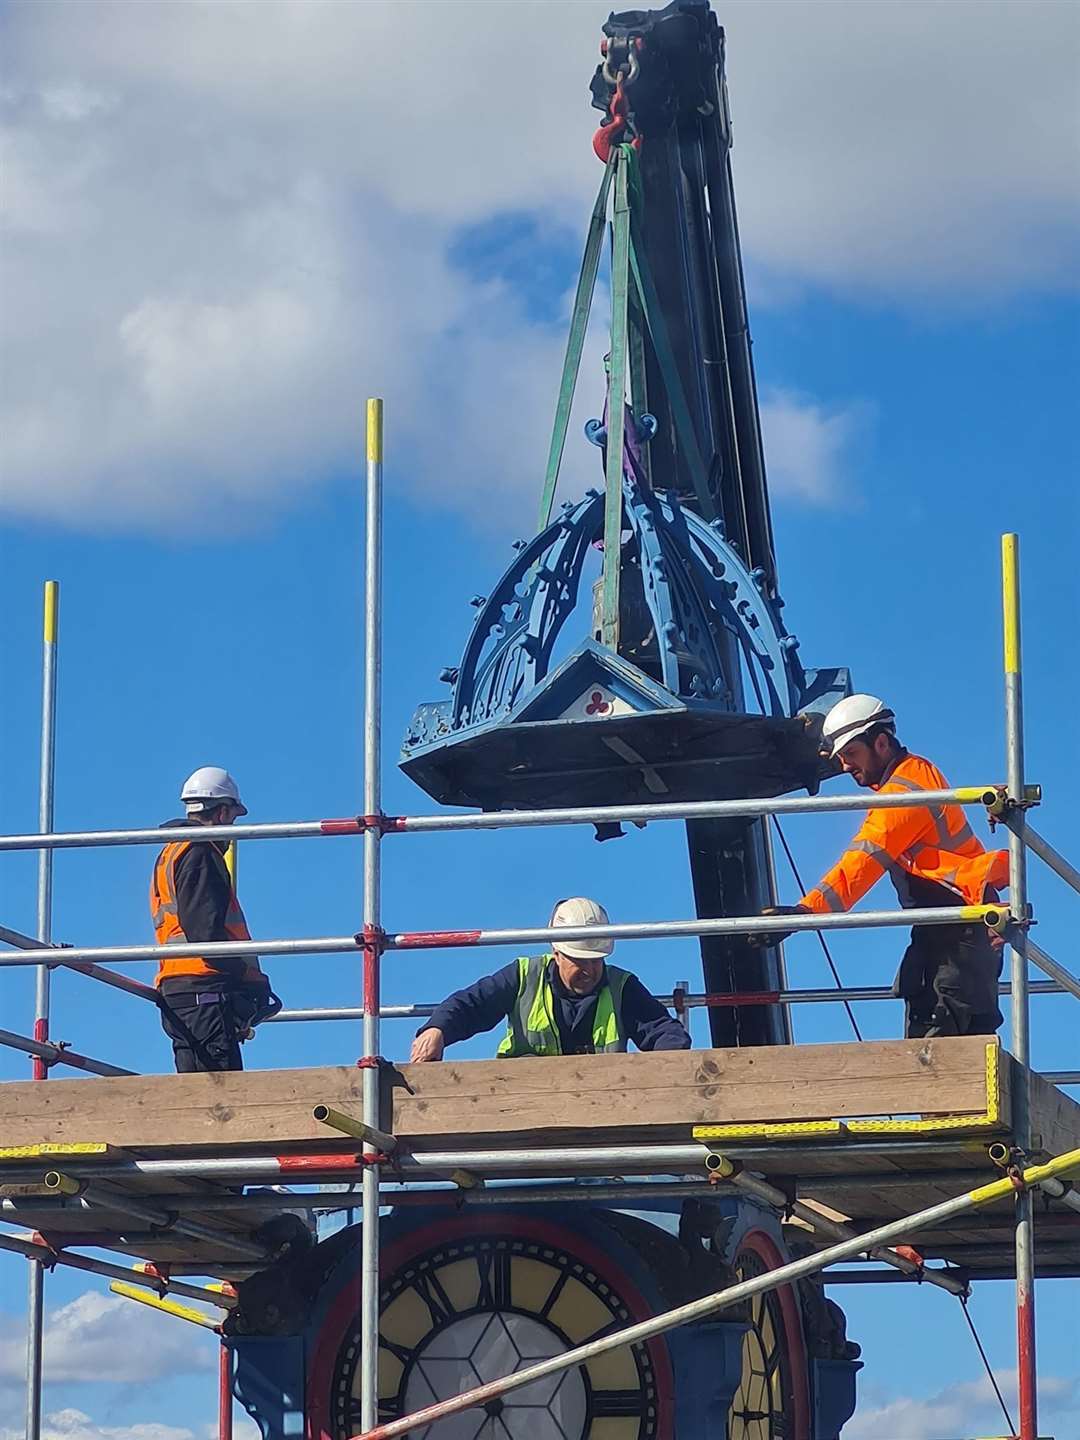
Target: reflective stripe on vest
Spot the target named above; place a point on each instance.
(959, 861)
(531, 1028)
(948, 854)
(166, 918)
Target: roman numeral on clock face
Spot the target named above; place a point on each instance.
(495, 1270)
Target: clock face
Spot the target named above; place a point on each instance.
(764, 1406)
(478, 1306)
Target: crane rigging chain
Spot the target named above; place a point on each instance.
(620, 78)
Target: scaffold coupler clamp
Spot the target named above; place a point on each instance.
(161, 1273)
(59, 945)
(1000, 806)
(1012, 1160)
(999, 919)
(719, 1167)
(361, 824)
(913, 1257)
(1011, 924)
(371, 938)
(54, 1254)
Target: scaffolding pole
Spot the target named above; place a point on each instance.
(37, 1250)
(996, 916)
(549, 1161)
(369, 1261)
(354, 825)
(100, 1202)
(822, 1224)
(708, 1305)
(689, 1001)
(604, 1191)
(225, 1394)
(1016, 821)
(96, 972)
(35, 1307)
(46, 789)
(1021, 1049)
(1049, 966)
(166, 1307)
(50, 1054)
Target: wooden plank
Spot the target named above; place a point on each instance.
(668, 1092)
(627, 1098)
(1055, 1116)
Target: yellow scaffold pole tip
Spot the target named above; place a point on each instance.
(374, 431)
(52, 610)
(338, 1120)
(57, 1183)
(1010, 601)
(167, 1307)
(719, 1166)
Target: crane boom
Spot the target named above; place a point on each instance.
(671, 65)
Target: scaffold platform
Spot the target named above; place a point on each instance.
(866, 1133)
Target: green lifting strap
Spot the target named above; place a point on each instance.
(639, 392)
(616, 402)
(575, 343)
(669, 370)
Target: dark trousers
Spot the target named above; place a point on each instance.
(204, 1028)
(948, 980)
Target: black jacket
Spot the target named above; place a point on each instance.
(481, 1006)
(203, 893)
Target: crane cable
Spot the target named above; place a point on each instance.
(986, 1363)
(821, 938)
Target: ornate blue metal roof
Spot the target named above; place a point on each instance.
(658, 720)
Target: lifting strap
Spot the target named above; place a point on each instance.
(616, 401)
(575, 343)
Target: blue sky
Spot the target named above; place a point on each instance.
(917, 381)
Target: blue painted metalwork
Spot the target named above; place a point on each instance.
(664, 1251)
(696, 587)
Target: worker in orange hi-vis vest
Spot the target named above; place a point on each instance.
(948, 978)
(209, 1004)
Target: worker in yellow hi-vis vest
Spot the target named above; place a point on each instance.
(568, 1002)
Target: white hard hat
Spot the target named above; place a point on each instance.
(209, 786)
(850, 718)
(578, 911)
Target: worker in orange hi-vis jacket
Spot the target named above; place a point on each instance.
(948, 978)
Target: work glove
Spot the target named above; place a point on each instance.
(252, 1005)
(762, 939)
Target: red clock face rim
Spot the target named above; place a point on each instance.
(342, 1312)
(761, 1244)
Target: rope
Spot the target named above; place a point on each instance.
(821, 938)
(986, 1363)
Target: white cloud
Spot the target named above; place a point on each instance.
(73, 1424)
(806, 445)
(964, 1409)
(98, 1337)
(225, 225)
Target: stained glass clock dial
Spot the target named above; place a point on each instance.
(473, 1308)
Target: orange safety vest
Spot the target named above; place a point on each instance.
(167, 927)
(933, 843)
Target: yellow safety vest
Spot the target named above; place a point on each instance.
(531, 1027)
